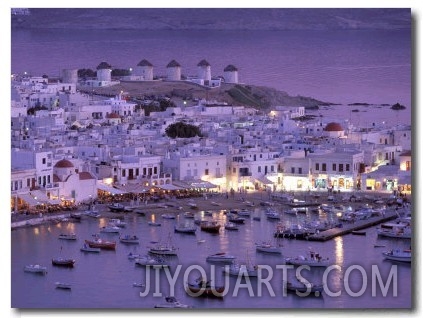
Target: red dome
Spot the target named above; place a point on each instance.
(64, 164)
(113, 115)
(333, 127)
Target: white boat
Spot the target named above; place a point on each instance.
(110, 229)
(117, 222)
(71, 236)
(92, 214)
(35, 269)
(88, 249)
(116, 207)
(133, 256)
(241, 270)
(171, 302)
(398, 255)
(189, 215)
(215, 203)
(63, 285)
(151, 261)
(168, 216)
(244, 212)
(267, 247)
(129, 239)
(184, 228)
(164, 249)
(231, 226)
(135, 284)
(400, 232)
(273, 215)
(313, 260)
(303, 287)
(152, 223)
(220, 257)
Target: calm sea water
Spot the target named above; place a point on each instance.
(105, 280)
(344, 67)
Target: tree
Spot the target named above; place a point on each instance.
(182, 130)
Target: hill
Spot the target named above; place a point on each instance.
(259, 97)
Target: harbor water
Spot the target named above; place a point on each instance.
(105, 279)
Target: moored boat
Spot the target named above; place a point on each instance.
(220, 257)
(129, 239)
(210, 226)
(267, 247)
(61, 285)
(313, 260)
(107, 245)
(71, 236)
(152, 223)
(65, 262)
(303, 287)
(168, 216)
(202, 287)
(184, 228)
(35, 269)
(88, 249)
(151, 261)
(231, 226)
(163, 249)
(171, 302)
(117, 223)
(241, 270)
(110, 229)
(398, 255)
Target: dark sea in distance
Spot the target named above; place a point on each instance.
(335, 66)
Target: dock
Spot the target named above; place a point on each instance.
(355, 226)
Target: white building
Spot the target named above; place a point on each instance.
(230, 74)
(173, 71)
(104, 72)
(73, 185)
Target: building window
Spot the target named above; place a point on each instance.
(155, 170)
(347, 167)
(123, 173)
(317, 167)
(144, 171)
(233, 170)
(292, 169)
(299, 184)
(137, 171)
(206, 172)
(272, 169)
(300, 170)
(323, 166)
(259, 169)
(341, 167)
(407, 165)
(44, 161)
(334, 167)
(195, 172)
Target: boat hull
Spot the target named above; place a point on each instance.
(102, 245)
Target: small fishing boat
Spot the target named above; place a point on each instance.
(231, 226)
(71, 236)
(184, 228)
(168, 216)
(171, 302)
(110, 229)
(61, 285)
(210, 226)
(129, 239)
(65, 262)
(151, 261)
(133, 255)
(107, 245)
(358, 233)
(35, 269)
(88, 249)
(303, 287)
(220, 257)
(202, 287)
(398, 255)
(135, 284)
